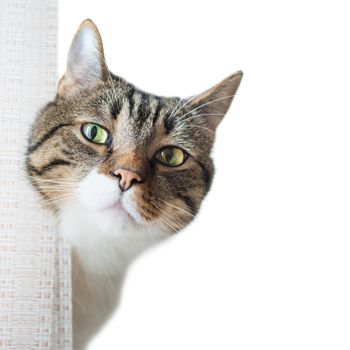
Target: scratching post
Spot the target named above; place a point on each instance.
(35, 283)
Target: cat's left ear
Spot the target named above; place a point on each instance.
(86, 65)
(214, 103)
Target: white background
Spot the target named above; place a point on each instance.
(266, 264)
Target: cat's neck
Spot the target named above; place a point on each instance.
(103, 246)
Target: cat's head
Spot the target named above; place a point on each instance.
(112, 148)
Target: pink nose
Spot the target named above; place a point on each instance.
(127, 178)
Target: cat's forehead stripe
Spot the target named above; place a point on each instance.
(130, 98)
(115, 108)
(157, 110)
(144, 109)
(146, 116)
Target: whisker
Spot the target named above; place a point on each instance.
(202, 127)
(170, 221)
(57, 184)
(170, 218)
(176, 207)
(173, 111)
(55, 191)
(168, 224)
(63, 180)
(207, 103)
(200, 115)
(188, 101)
(55, 200)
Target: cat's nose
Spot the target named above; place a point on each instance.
(127, 178)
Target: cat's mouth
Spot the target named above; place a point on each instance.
(120, 209)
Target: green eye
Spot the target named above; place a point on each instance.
(94, 133)
(171, 156)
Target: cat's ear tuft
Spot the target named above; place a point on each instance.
(86, 65)
(214, 103)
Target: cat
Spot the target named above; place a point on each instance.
(122, 170)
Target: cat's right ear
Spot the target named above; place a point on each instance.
(86, 65)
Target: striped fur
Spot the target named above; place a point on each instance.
(76, 178)
(56, 144)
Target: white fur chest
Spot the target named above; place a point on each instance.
(104, 241)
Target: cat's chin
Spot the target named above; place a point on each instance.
(116, 208)
(120, 210)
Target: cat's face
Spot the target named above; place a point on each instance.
(119, 151)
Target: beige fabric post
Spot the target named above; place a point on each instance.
(35, 287)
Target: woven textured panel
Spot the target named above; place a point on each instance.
(35, 285)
